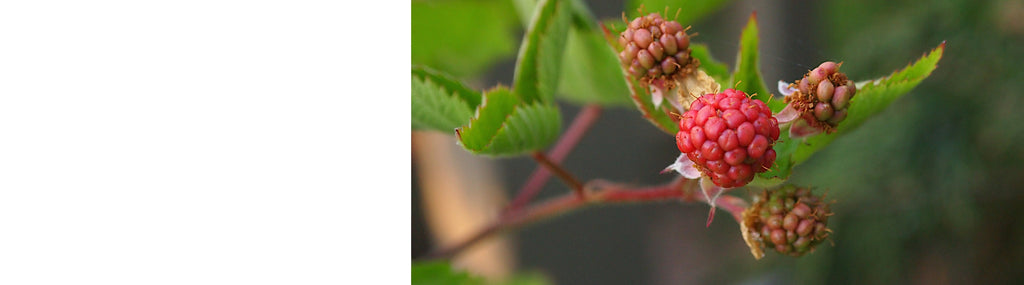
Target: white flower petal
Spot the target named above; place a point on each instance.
(711, 193)
(785, 89)
(657, 96)
(684, 167)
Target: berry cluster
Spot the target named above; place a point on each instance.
(822, 96)
(789, 219)
(654, 48)
(729, 137)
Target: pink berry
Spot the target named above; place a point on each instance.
(642, 38)
(654, 42)
(824, 97)
(728, 136)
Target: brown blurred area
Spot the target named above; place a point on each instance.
(460, 193)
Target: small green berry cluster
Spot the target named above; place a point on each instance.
(789, 219)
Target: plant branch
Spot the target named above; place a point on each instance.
(603, 192)
(583, 121)
(575, 184)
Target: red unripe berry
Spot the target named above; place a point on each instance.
(656, 43)
(729, 137)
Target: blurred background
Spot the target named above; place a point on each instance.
(928, 192)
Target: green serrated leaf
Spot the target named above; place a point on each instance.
(472, 97)
(435, 109)
(747, 76)
(498, 104)
(872, 98)
(540, 55)
(442, 39)
(440, 103)
(441, 273)
(714, 68)
(688, 11)
(504, 125)
(530, 127)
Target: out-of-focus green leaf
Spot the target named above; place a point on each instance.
(439, 102)
(591, 72)
(714, 68)
(581, 15)
(540, 56)
(689, 10)
(747, 76)
(524, 8)
(872, 97)
(441, 273)
(441, 37)
(504, 125)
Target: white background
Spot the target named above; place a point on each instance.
(204, 142)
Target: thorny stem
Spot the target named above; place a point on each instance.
(584, 119)
(603, 192)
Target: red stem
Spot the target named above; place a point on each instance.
(604, 193)
(575, 184)
(584, 119)
(512, 220)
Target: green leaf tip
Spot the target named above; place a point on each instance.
(747, 75)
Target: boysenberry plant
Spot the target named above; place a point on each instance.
(731, 130)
